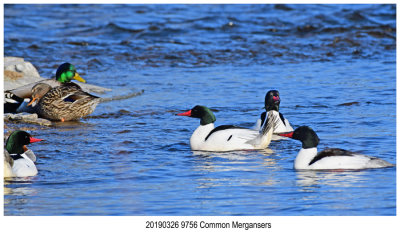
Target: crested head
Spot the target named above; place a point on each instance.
(307, 136)
(203, 113)
(272, 100)
(17, 140)
(67, 72)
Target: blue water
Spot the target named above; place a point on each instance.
(334, 65)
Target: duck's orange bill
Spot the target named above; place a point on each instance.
(289, 135)
(30, 103)
(188, 113)
(34, 140)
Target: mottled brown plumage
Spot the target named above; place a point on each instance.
(62, 103)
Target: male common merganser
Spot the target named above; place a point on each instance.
(272, 102)
(14, 99)
(225, 137)
(331, 158)
(18, 159)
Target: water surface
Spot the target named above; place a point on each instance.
(334, 66)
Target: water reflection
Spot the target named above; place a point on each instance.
(229, 168)
(330, 178)
(17, 192)
(72, 125)
(231, 161)
(18, 186)
(233, 155)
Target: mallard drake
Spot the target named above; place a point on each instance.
(18, 159)
(62, 103)
(15, 97)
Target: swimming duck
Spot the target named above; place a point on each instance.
(62, 103)
(14, 99)
(272, 102)
(225, 137)
(331, 158)
(18, 159)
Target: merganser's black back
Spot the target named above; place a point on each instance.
(331, 152)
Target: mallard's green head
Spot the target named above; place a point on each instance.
(17, 140)
(67, 72)
(205, 114)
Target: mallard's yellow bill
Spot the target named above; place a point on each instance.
(79, 78)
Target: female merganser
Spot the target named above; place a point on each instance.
(331, 158)
(18, 159)
(225, 137)
(272, 102)
(14, 99)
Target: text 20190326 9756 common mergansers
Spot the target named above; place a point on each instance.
(331, 158)
(226, 137)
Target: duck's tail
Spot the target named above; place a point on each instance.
(264, 138)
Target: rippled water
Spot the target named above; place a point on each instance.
(334, 65)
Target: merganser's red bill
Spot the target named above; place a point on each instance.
(289, 135)
(34, 140)
(276, 98)
(188, 113)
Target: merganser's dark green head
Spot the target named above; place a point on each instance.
(16, 142)
(305, 134)
(205, 114)
(272, 100)
(67, 72)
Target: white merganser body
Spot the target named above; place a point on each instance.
(18, 160)
(308, 157)
(282, 125)
(23, 166)
(226, 137)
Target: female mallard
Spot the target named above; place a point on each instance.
(19, 161)
(15, 97)
(62, 103)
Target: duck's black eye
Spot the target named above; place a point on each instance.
(195, 112)
(196, 109)
(26, 138)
